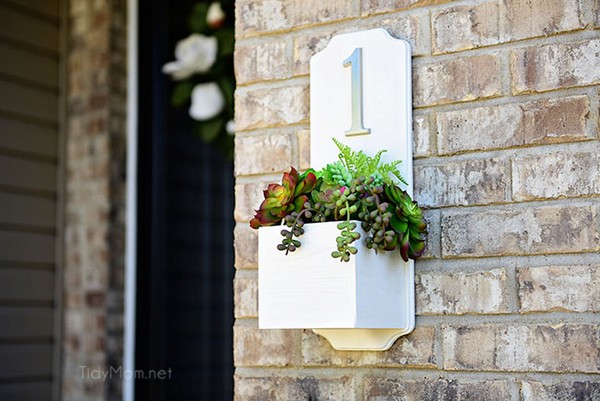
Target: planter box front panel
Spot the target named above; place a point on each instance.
(310, 289)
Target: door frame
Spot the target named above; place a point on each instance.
(131, 203)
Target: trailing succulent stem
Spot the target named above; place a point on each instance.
(346, 238)
(376, 220)
(296, 229)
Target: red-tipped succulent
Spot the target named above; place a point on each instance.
(281, 200)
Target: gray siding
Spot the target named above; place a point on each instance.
(29, 160)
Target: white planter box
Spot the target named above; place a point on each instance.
(310, 289)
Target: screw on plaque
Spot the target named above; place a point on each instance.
(309, 385)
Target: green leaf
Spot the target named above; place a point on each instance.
(181, 93)
(210, 130)
(197, 19)
(415, 235)
(226, 39)
(398, 225)
(227, 88)
(360, 165)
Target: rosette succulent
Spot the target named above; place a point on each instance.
(282, 200)
(407, 221)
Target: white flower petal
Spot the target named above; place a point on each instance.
(215, 14)
(176, 71)
(196, 53)
(230, 127)
(207, 101)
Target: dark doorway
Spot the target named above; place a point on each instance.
(185, 222)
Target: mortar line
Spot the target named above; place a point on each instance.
(398, 372)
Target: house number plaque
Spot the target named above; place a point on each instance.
(360, 93)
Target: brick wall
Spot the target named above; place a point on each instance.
(506, 105)
(95, 200)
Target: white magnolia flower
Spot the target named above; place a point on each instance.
(207, 101)
(230, 127)
(215, 15)
(196, 53)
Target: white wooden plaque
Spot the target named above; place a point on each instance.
(386, 100)
(360, 94)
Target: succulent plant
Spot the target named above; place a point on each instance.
(357, 187)
(282, 200)
(337, 174)
(407, 221)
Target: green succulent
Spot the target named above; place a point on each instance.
(337, 174)
(356, 187)
(407, 221)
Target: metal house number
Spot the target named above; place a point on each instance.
(355, 64)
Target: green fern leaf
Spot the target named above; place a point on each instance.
(358, 164)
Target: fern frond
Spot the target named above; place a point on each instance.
(377, 158)
(347, 156)
(392, 168)
(358, 164)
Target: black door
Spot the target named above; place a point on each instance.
(185, 223)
